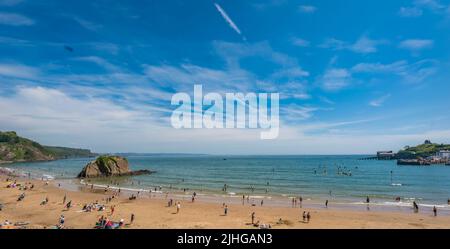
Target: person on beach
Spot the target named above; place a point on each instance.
(367, 200)
(132, 219)
(225, 210)
(253, 218)
(434, 211)
(308, 217)
(45, 201)
(300, 200)
(304, 216)
(64, 199)
(326, 204)
(178, 207)
(69, 204)
(243, 199)
(61, 221)
(112, 210)
(262, 203)
(415, 207)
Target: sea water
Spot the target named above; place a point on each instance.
(344, 179)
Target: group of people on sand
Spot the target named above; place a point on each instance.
(105, 223)
(170, 203)
(93, 207)
(297, 201)
(306, 217)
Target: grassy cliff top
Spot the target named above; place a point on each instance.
(422, 150)
(14, 148)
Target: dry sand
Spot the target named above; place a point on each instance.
(154, 213)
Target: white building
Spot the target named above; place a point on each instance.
(444, 154)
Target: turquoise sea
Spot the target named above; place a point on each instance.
(339, 178)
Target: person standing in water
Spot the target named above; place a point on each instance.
(326, 203)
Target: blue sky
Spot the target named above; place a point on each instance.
(353, 76)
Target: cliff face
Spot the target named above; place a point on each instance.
(105, 166)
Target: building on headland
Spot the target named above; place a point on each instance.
(443, 154)
(385, 155)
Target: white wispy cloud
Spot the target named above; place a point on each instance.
(307, 8)
(413, 73)
(418, 6)
(299, 42)
(394, 67)
(380, 101)
(14, 19)
(416, 44)
(363, 45)
(434, 5)
(10, 2)
(410, 12)
(87, 24)
(335, 79)
(18, 71)
(227, 18)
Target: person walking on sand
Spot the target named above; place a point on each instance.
(225, 210)
(308, 217)
(112, 210)
(304, 216)
(253, 218)
(132, 219)
(435, 211)
(64, 199)
(262, 203)
(326, 204)
(178, 207)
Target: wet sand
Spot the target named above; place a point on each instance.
(154, 213)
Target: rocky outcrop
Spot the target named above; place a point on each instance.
(105, 166)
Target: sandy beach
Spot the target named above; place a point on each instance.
(154, 212)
